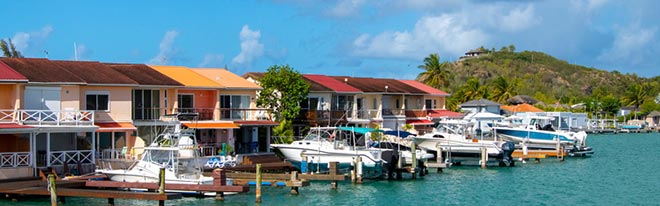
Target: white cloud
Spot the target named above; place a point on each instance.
(251, 48)
(25, 40)
(346, 8)
(166, 50)
(631, 45)
(588, 5)
(212, 60)
(518, 19)
(448, 33)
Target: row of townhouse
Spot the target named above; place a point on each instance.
(368, 102)
(57, 113)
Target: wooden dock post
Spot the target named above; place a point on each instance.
(439, 160)
(258, 192)
(111, 201)
(484, 157)
(358, 164)
(414, 160)
(333, 172)
(53, 190)
(219, 178)
(294, 177)
(161, 185)
(353, 168)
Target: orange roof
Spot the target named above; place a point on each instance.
(521, 108)
(211, 125)
(226, 78)
(186, 76)
(114, 126)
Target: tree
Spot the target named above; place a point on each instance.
(473, 90)
(9, 50)
(502, 89)
(435, 74)
(635, 95)
(283, 90)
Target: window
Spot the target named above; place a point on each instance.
(341, 102)
(146, 104)
(375, 104)
(99, 101)
(186, 103)
(428, 103)
(234, 106)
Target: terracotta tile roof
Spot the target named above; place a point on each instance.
(187, 77)
(332, 83)
(426, 88)
(440, 113)
(42, 70)
(313, 86)
(521, 108)
(9, 74)
(254, 75)
(144, 75)
(94, 72)
(226, 78)
(378, 85)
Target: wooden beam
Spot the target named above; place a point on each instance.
(154, 186)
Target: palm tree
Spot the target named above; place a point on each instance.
(472, 90)
(503, 89)
(635, 95)
(435, 74)
(9, 50)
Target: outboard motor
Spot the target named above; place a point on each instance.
(508, 148)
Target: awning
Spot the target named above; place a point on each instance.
(8, 128)
(211, 125)
(444, 113)
(114, 126)
(419, 122)
(257, 123)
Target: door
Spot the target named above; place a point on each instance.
(186, 103)
(386, 102)
(46, 99)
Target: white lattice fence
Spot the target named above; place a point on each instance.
(15, 159)
(61, 157)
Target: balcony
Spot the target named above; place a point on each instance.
(226, 114)
(48, 117)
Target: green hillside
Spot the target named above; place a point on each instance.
(541, 76)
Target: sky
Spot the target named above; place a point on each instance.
(362, 38)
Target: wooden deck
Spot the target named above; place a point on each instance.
(75, 188)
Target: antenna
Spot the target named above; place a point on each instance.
(75, 51)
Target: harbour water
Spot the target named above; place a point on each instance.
(623, 171)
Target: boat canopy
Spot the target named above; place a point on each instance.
(360, 130)
(399, 133)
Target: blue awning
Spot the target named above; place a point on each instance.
(399, 133)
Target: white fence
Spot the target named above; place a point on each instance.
(47, 117)
(15, 159)
(73, 156)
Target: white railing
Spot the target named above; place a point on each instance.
(208, 150)
(48, 117)
(73, 156)
(15, 159)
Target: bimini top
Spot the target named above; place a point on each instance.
(360, 130)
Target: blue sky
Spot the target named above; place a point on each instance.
(368, 38)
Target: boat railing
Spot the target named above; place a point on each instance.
(71, 156)
(15, 159)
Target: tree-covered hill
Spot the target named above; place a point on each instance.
(497, 75)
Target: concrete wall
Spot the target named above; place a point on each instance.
(8, 173)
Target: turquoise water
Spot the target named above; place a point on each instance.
(624, 171)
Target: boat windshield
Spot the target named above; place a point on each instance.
(161, 157)
(319, 135)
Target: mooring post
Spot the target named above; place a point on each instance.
(303, 164)
(52, 189)
(438, 160)
(294, 178)
(258, 192)
(414, 160)
(484, 156)
(111, 201)
(161, 181)
(359, 169)
(219, 179)
(353, 168)
(333, 173)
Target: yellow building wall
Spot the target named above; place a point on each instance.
(70, 98)
(120, 103)
(7, 96)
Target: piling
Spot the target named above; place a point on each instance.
(52, 189)
(414, 160)
(353, 168)
(439, 158)
(258, 192)
(484, 157)
(358, 164)
(303, 165)
(294, 177)
(219, 178)
(333, 171)
(161, 185)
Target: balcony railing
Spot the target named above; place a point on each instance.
(15, 159)
(148, 113)
(72, 156)
(244, 114)
(48, 117)
(202, 113)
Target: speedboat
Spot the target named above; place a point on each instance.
(334, 144)
(532, 135)
(451, 137)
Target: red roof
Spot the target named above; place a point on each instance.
(9, 74)
(444, 113)
(114, 126)
(331, 83)
(424, 87)
(419, 122)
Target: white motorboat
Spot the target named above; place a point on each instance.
(334, 144)
(176, 151)
(450, 136)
